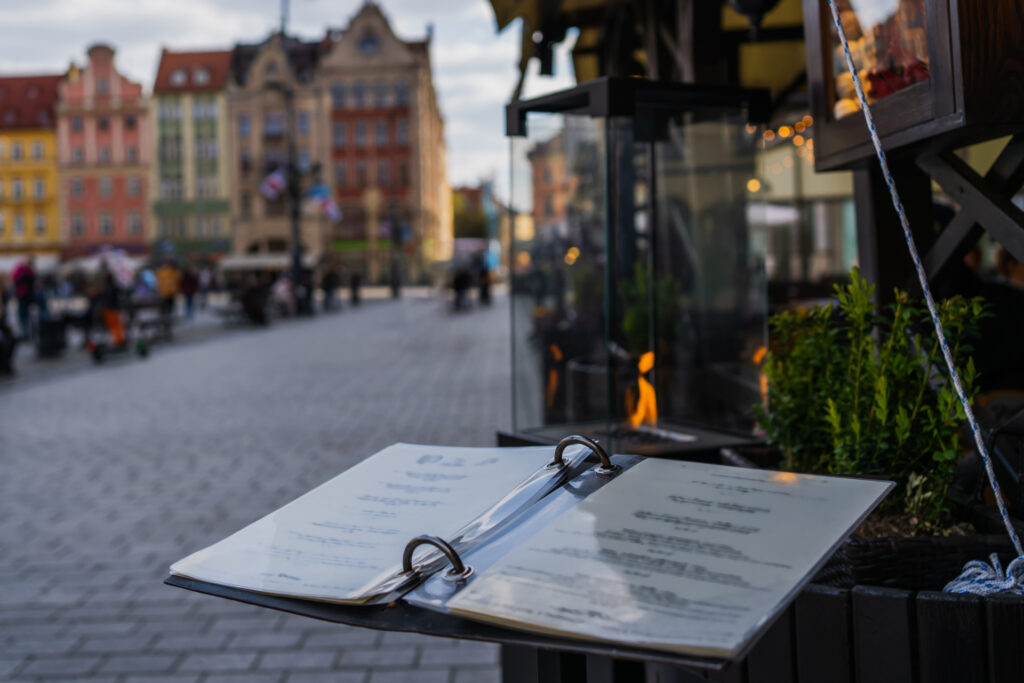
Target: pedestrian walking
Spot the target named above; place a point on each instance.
(205, 285)
(168, 280)
(26, 291)
(189, 286)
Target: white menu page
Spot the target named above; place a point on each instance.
(679, 556)
(345, 536)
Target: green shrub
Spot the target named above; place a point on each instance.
(855, 391)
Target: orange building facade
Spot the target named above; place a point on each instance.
(105, 149)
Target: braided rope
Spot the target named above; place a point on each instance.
(991, 575)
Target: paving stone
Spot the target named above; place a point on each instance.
(477, 675)
(383, 657)
(103, 627)
(341, 638)
(412, 675)
(264, 640)
(327, 677)
(41, 645)
(219, 661)
(111, 644)
(300, 659)
(464, 654)
(60, 666)
(139, 663)
(169, 678)
(248, 677)
(9, 664)
(191, 642)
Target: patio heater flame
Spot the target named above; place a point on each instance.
(646, 409)
(552, 388)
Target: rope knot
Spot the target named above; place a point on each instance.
(980, 578)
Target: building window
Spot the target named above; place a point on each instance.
(245, 205)
(134, 186)
(380, 94)
(170, 149)
(273, 124)
(19, 224)
(169, 110)
(1, 190)
(403, 131)
(102, 86)
(369, 44)
(3, 226)
(129, 122)
(382, 133)
(243, 125)
(76, 123)
(201, 76)
(135, 224)
(106, 187)
(104, 123)
(206, 149)
(171, 188)
(303, 123)
(78, 225)
(402, 94)
(403, 174)
(37, 150)
(1, 150)
(244, 161)
(16, 188)
(200, 226)
(39, 188)
(358, 95)
(215, 226)
(77, 155)
(549, 206)
(206, 187)
(339, 174)
(40, 225)
(383, 174)
(16, 151)
(303, 159)
(178, 77)
(338, 96)
(106, 224)
(360, 135)
(361, 174)
(271, 68)
(76, 187)
(132, 153)
(339, 135)
(105, 155)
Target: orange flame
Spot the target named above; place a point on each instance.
(646, 409)
(552, 387)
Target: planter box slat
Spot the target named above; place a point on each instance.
(823, 642)
(1005, 618)
(951, 638)
(771, 660)
(884, 647)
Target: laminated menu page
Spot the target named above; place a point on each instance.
(685, 557)
(343, 540)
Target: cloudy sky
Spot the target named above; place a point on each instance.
(475, 69)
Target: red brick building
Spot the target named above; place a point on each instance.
(104, 151)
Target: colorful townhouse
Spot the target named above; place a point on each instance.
(189, 182)
(105, 144)
(28, 171)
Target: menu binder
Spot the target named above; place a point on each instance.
(679, 557)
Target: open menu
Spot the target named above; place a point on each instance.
(684, 557)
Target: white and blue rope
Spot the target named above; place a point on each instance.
(973, 577)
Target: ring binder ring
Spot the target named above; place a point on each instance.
(458, 572)
(606, 469)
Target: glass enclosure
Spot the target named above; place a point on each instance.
(638, 300)
(889, 43)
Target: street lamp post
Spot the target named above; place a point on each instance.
(293, 178)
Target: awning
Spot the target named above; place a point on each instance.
(44, 263)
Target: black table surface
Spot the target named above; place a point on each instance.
(403, 617)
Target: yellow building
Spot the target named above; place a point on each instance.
(29, 221)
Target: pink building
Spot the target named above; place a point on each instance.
(103, 138)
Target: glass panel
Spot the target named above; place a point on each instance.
(889, 43)
(638, 296)
(558, 263)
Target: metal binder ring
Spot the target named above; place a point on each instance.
(458, 572)
(606, 469)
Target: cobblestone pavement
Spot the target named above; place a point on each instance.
(109, 475)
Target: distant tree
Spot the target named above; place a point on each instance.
(469, 221)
